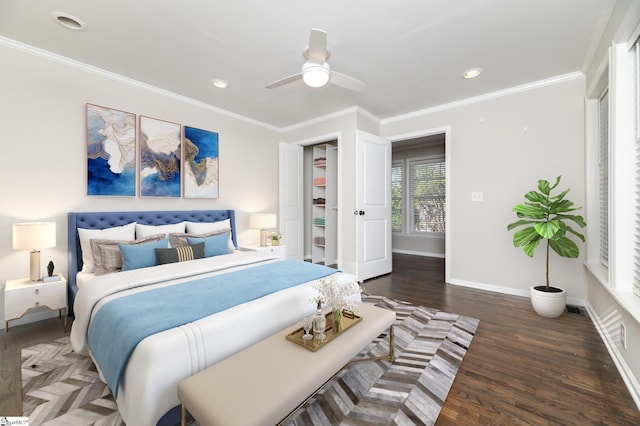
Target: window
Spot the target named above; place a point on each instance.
(396, 196)
(603, 175)
(427, 197)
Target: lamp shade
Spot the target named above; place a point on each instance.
(34, 235)
(262, 221)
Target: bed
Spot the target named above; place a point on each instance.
(233, 299)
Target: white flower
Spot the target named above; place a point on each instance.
(337, 295)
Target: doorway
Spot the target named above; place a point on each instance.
(419, 194)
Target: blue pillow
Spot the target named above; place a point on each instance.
(214, 245)
(140, 255)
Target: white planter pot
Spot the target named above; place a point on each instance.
(547, 304)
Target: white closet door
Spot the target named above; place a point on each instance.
(373, 204)
(291, 203)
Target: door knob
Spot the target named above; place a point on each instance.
(359, 212)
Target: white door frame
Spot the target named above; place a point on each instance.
(337, 136)
(446, 130)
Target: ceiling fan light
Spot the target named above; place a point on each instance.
(315, 75)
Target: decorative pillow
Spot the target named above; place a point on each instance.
(180, 239)
(106, 253)
(179, 254)
(140, 255)
(213, 246)
(143, 231)
(124, 233)
(205, 227)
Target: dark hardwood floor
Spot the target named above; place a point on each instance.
(521, 369)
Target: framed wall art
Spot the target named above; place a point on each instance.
(201, 170)
(111, 152)
(159, 158)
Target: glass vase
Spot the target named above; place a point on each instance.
(337, 319)
(319, 324)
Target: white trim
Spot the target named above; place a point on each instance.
(600, 79)
(446, 130)
(12, 44)
(429, 235)
(625, 299)
(592, 209)
(508, 290)
(328, 137)
(419, 253)
(488, 96)
(314, 140)
(621, 167)
(351, 110)
(622, 366)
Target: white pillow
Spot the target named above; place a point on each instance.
(144, 231)
(124, 232)
(208, 227)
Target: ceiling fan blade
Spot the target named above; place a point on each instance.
(317, 51)
(346, 81)
(284, 81)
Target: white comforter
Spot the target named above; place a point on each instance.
(149, 387)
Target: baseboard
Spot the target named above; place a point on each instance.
(419, 253)
(508, 290)
(623, 368)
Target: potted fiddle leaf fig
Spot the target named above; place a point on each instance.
(546, 217)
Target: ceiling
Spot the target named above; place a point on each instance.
(411, 53)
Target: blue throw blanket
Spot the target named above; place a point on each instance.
(122, 323)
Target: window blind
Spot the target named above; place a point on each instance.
(427, 201)
(604, 176)
(396, 196)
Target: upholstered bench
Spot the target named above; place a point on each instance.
(264, 383)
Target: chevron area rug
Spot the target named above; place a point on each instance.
(61, 387)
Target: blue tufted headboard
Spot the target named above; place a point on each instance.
(101, 220)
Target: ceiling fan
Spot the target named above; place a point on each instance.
(316, 72)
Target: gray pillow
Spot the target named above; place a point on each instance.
(106, 253)
(179, 254)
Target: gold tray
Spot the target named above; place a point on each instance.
(349, 319)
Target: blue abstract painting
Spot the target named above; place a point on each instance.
(159, 158)
(111, 152)
(200, 163)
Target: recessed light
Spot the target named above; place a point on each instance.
(472, 73)
(220, 84)
(69, 21)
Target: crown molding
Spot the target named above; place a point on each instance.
(338, 114)
(22, 47)
(488, 96)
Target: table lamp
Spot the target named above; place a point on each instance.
(34, 236)
(262, 221)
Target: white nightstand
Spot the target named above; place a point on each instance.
(279, 250)
(22, 295)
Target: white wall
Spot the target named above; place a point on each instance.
(501, 145)
(43, 128)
